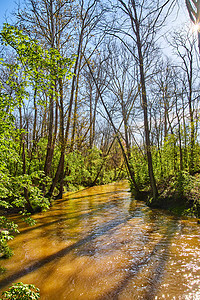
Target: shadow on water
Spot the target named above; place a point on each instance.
(143, 236)
(158, 271)
(160, 254)
(59, 218)
(101, 230)
(68, 197)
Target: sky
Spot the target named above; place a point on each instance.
(6, 7)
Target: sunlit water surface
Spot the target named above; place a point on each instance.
(100, 243)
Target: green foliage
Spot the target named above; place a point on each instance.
(29, 182)
(92, 162)
(140, 167)
(38, 69)
(7, 228)
(165, 159)
(82, 169)
(21, 291)
(75, 168)
(41, 66)
(26, 217)
(12, 187)
(5, 251)
(179, 194)
(34, 68)
(189, 187)
(184, 183)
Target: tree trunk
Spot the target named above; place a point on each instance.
(60, 168)
(50, 147)
(26, 196)
(144, 105)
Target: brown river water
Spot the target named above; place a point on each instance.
(100, 243)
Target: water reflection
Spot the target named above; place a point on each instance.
(100, 243)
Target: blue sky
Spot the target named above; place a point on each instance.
(6, 7)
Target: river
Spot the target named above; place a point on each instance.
(100, 243)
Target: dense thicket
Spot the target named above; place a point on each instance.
(87, 97)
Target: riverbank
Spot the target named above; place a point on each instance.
(179, 194)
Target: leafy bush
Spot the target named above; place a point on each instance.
(21, 291)
(7, 228)
(140, 168)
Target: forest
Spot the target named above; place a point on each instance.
(93, 92)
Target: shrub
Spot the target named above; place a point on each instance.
(6, 229)
(21, 291)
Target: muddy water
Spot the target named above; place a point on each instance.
(100, 243)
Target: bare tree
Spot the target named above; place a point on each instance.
(193, 7)
(48, 21)
(87, 18)
(184, 46)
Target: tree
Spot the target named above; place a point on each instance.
(193, 7)
(87, 21)
(184, 46)
(130, 171)
(38, 65)
(51, 22)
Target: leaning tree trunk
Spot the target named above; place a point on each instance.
(131, 173)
